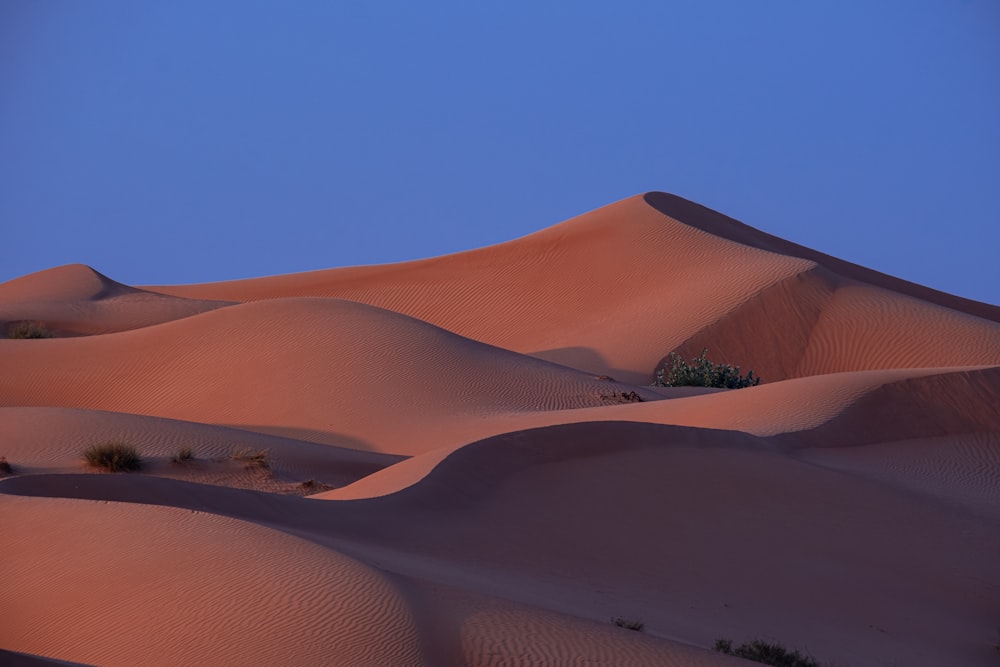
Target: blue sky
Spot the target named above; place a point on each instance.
(193, 141)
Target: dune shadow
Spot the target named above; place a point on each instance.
(18, 659)
(312, 436)
(711, 221)
(589, 360)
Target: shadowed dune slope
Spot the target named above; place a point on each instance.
(722, 225)
(77, 300)
(817, 322)
(317, 369)
(612, 291)
(838, 410)
(266, 598)
(705, 534)
(701, 534)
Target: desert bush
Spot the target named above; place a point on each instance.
(253, 458)
(702, 373)
(182, 455)
(113, 456)
(5, 467)
(629, 623)
(28, 329)
(623, 397)
(765, 653)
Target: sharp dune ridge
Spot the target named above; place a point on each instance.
(461, 460)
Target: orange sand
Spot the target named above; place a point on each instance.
(477, 492)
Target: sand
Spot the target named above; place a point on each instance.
(461, 461)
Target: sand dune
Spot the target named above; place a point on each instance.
(77, 300)
(95, 593)
(322, 368)
(479, 492)
(614, 290)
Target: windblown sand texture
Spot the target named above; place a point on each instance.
(450, 476)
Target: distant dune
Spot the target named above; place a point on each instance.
(462, 461)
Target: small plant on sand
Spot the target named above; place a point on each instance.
(628, 623)
(28, 329)
(5, 467)
(183, 455)
(623, 397)
(766, 653)
(113, 456)
(311, 486)
(253, 458)
(701, 372)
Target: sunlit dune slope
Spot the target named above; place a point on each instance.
(318, 369)
(53, 439)
(76, 300)
(121, 584)
(609, 291)
(612, 291)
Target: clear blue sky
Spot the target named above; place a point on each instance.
(192, 141)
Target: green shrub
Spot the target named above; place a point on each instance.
(765, 653)
(5, 467)
(629, 623)
(113, 456)
(182, 455)
(28, 329)
(702, 373)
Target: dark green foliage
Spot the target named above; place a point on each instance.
(629, 623)
(5, 467)
(113, 456)
(701, 372)
(27, 329)
(765, 653)
(183, 455)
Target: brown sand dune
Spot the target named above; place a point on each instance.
(76, 300)
(839, 410)
(47, 440)
(718, 224)
(701, 534)
(492, 507)
(608, 292)
(817, 322)
(709, 532)
(95, 593)
(320, 369)
(612, 291)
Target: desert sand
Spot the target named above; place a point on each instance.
(433, 462)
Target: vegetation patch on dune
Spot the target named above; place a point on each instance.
(621, 397)
(5, 467)
(28, 329)
(766, 653)
(253, 458)
(701, 372)
(311, 486)
(628, 623)
(183, 455)
(113, 456)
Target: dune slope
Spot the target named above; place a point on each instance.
(447, 475)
